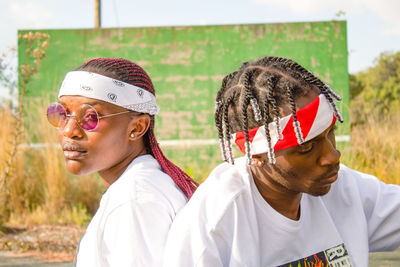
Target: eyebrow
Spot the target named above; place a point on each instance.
(94, 103)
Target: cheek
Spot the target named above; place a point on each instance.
(302, 163)
(106, 148)
(59, 135)
(104, 151)
(295, 172)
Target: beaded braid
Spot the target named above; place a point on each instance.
(271, 152)
(250, 97)
(264, 85)
(296, 124)
(267, 83)
(270, 86)
(227, 134)
(311, 78)
(129, 72)
(338, 115)
(218, 119)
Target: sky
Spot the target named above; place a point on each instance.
(373, 26)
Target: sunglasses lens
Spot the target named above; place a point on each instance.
(56, 114)
(87, 117)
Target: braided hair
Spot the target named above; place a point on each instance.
(129, 72)
(251, 97)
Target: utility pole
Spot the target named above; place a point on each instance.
(97, 13)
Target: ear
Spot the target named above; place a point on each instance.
(138, 126)
(258, 160)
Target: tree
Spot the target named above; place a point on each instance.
(376, 91)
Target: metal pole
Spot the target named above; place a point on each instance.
(97, 13)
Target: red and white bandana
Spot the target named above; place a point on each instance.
(314, 118)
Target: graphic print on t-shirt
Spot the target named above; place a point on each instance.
(333, 257)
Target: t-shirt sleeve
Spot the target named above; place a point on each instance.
(135, 234)
(382, 210)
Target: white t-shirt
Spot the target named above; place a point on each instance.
(131, 225)
(228, 223)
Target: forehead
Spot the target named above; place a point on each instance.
(76, 101)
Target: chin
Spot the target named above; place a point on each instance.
(321, 191)
(77, 168)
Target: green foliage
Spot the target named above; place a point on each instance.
(376, 91)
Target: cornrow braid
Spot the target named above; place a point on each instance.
(129, 72)
(252, 96)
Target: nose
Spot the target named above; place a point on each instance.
(71, 128)
(330, 155)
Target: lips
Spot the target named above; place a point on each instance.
(73, 151)
(331, 176)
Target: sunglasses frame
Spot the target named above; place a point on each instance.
(68, 116)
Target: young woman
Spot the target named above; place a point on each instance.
(105, 119)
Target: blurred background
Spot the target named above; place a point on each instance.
(186, 47)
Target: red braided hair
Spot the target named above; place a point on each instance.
(129, 72)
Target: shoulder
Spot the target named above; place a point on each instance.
(226, 185)
(145, 182)
(352, 179)
(356, 188)
(354, 174)
(366, 183)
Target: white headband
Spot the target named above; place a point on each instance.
(96, 86)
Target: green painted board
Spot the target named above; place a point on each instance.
(187, 64)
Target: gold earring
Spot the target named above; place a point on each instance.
(132, 134)
(260, 163)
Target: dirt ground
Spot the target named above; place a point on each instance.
(48, 243)
(48, 246)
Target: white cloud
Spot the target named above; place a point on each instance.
(22, 14)
(30, 14)
(203, 22)
(307, 7)
(386, 10)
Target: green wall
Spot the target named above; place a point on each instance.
(187, 64)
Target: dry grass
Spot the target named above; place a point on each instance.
(41, 191)
(375, 148)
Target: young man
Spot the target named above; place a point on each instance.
(288, 202)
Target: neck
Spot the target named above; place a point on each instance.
(281, 199)
(110, 175)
